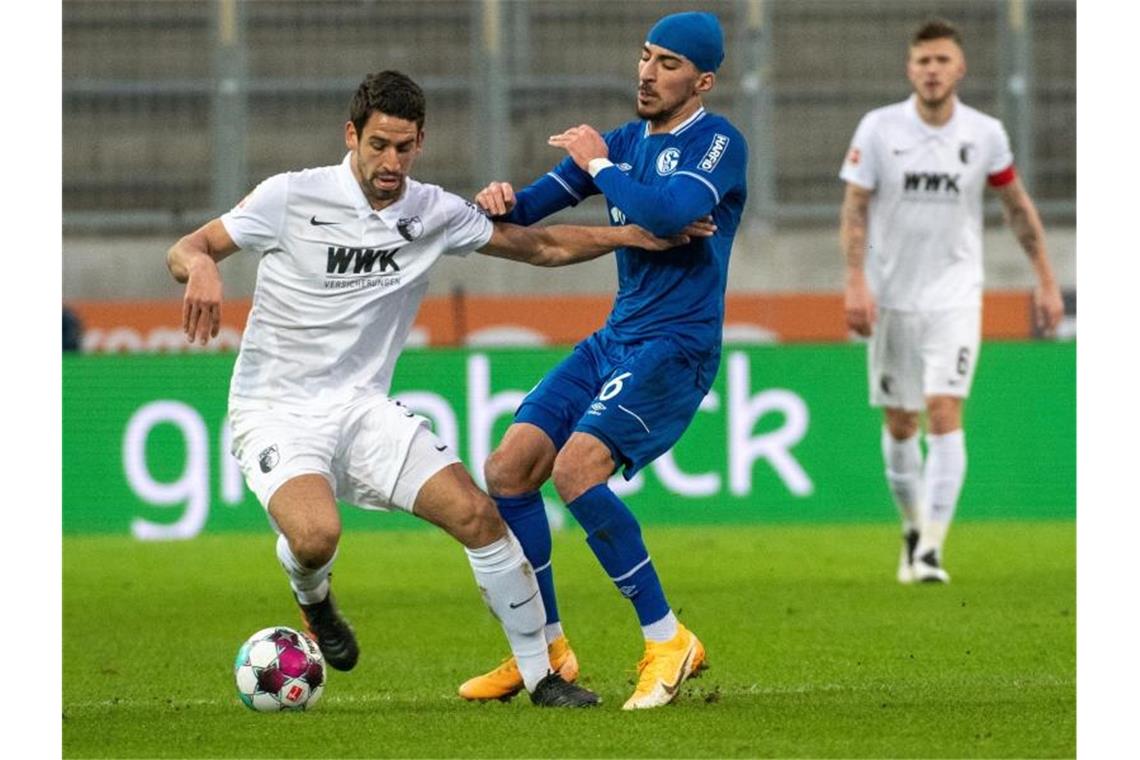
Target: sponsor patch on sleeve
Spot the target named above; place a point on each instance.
(714, 153)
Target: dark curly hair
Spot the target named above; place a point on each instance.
(391, 93)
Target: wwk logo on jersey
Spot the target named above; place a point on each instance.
(362, 260)
(667, 161)
(931, 182)
(714, 153)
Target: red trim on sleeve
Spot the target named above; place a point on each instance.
(1004, 177)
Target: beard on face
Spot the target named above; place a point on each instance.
(371, 192)
(656, 111)
(938, 101)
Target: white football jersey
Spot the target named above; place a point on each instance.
(338, 284)
(925, 223)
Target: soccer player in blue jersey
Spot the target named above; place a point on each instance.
(627, 392)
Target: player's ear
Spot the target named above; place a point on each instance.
(420, 140)
(705, 82)
(351, 140)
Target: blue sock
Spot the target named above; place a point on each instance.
(614, 535)
(526, 517)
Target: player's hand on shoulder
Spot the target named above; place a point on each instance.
(859, 306)
(497, 198)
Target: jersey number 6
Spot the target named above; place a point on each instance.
(613, 387)
(963, 361)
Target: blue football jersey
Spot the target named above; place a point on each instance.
(663, 182)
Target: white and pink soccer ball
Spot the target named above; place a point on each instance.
(279, 669)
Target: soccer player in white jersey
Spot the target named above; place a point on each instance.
(345, 254)
(911, 233)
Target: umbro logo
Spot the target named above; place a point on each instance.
(313, 220)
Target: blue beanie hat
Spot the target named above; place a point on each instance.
(693, 34)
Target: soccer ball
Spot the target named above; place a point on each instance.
(279, 669)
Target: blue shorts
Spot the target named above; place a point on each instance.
(636, 398)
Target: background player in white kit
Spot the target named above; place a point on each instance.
(345, 253)
(911, 232)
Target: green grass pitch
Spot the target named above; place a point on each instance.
(815, 650)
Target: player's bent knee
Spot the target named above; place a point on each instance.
(478, 523)
(575, 473)
(944, 413)
(507, 475)
(901, 424)
(315, 545)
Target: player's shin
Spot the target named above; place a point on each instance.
(310, 585)
(903, 460)
(945, 473)
(615, 537)
(507, 583)
(525, 515)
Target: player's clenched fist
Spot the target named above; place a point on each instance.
(497, 198)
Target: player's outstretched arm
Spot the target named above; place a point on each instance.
(1021, 213)
(194, 261)
(562, 244)
(858, 303)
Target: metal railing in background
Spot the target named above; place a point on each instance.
(173, 110)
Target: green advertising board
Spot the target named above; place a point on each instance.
(785, 435)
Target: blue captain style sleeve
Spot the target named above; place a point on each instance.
(691, 178)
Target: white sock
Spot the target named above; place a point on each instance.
(945, 473)
(903, 460)
(507, 583)
(309, 585)
(661, 630)
(553, 631)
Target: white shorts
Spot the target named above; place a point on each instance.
(375, 454)
(913, 355)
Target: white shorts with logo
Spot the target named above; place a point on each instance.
(375, 453)
(916, 354)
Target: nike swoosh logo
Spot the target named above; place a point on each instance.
(515, 606)
(671, 689)
(441, 448)
(317, 223)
